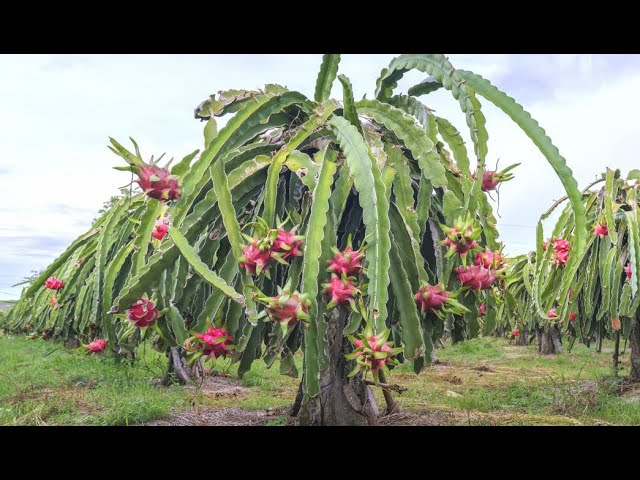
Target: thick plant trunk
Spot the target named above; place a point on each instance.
(634, 340)
(522, 339)
(342, 401)
(549, 341)
(179, 370)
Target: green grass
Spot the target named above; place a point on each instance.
(480, 382)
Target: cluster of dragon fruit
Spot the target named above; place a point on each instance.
(372, 352)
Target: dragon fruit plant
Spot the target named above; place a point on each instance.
(594, 296)
(384, 171)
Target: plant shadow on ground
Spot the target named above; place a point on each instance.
(483, 381)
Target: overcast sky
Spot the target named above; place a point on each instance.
(57, 112)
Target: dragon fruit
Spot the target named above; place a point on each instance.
(552, 313)
(54, 283)
(142, 313)
(287, 308)
(482, 309)
(515, 332)
(98, 345)
(476, 277)
(572, 317)
(372, 352)
(491, 179)
(560, 251)
(157, 182)
(435, 299)
(601, 230)
(341, 290)
(255, 257)
(160, 229)
(431, 297)
(461, 237)
(216, 342)
(627, 270)
(348, 261)
(287, 244)
(490, 259)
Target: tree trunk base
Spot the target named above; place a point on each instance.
(549, 341)
(179, 370)
(634, 341)
(342, 400)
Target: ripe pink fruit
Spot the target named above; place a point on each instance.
(515, 332)
(142, 313)
(627, 270)
(560, 251)
(288, 244)
(431, 297)
(601, 230)
(482, 309)
(476, 277)
(461, 237)
(490, 259)
(97, 345)
(254, 258)
(216, 342)
(572, 317)
(491, 179)
(552, 313)
(341, 290)
(348, 261)
(286, 308)
(160, 229)
(374, 347)
(54, 283)
(158, 182)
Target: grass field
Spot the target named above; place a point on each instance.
(479, 382)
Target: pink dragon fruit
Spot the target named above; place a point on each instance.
(490, 259)
(216, 342)
(601, 230)
(287, 308)
(158, 182)
(348, 261)
(476, 277)
(560, 251)
(461, 237)
(552, 313)
(431, 297)
(98, 345)
(160, 229)
(287, 244)
(142, 313)
(482, 309)
(491, 179)
(515, 332)
(255, 257)
(627, 270)
(372, 352)
(434, 298)
(341, 290)
(572, 317)
(54, 283)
